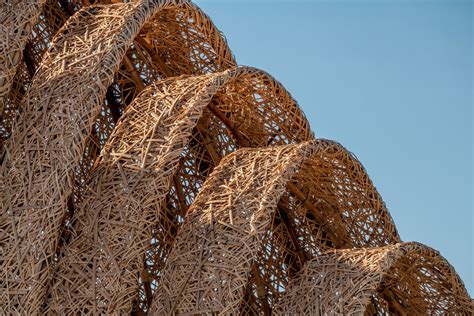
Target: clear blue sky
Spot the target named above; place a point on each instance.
(391, 81)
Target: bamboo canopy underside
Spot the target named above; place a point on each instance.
(143, 171)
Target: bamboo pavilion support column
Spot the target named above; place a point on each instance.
(181, 197)
(27, 53)
(346, 282)
(134, 73)
(208, 143)
(283, 214)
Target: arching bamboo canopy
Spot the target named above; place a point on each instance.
(404, 278)
(144, 171)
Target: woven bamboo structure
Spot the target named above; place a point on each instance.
(236, 207)
(404, 278)
(144, 172)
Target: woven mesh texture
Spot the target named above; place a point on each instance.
(144, 172)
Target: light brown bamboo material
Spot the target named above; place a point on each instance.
(32, 40)
(225, 231)
(122, 203)
(17, 21)
(143, 155)
(243, 109)
(278, 253)
(184, 27)
(49, 135)
(191, 28)
(144, 172)
(405, 279)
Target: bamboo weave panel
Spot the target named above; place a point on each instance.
(404, 278)
(210, 264)
(77, 70)
(36, 39)
(17, 21)
(74, 243)
(120, 169)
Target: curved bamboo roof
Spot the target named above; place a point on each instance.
(145, 172)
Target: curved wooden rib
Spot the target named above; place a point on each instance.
(210, 263)
(404, 279)
(126, 197)
(50, 134)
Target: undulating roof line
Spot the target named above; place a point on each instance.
(143, 171)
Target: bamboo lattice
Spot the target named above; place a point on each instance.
(136, 172)
(17, 22)
(36, 23)
(88, 53)
(144, 172)
(401, 279)
(236, 207)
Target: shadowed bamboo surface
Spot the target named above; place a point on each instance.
(401, 279)
(225, 231)
(181, 32)
(135, 173)
(144, 172)
(123, 202)
(50, 134)
(17, 20)
(40, 20)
